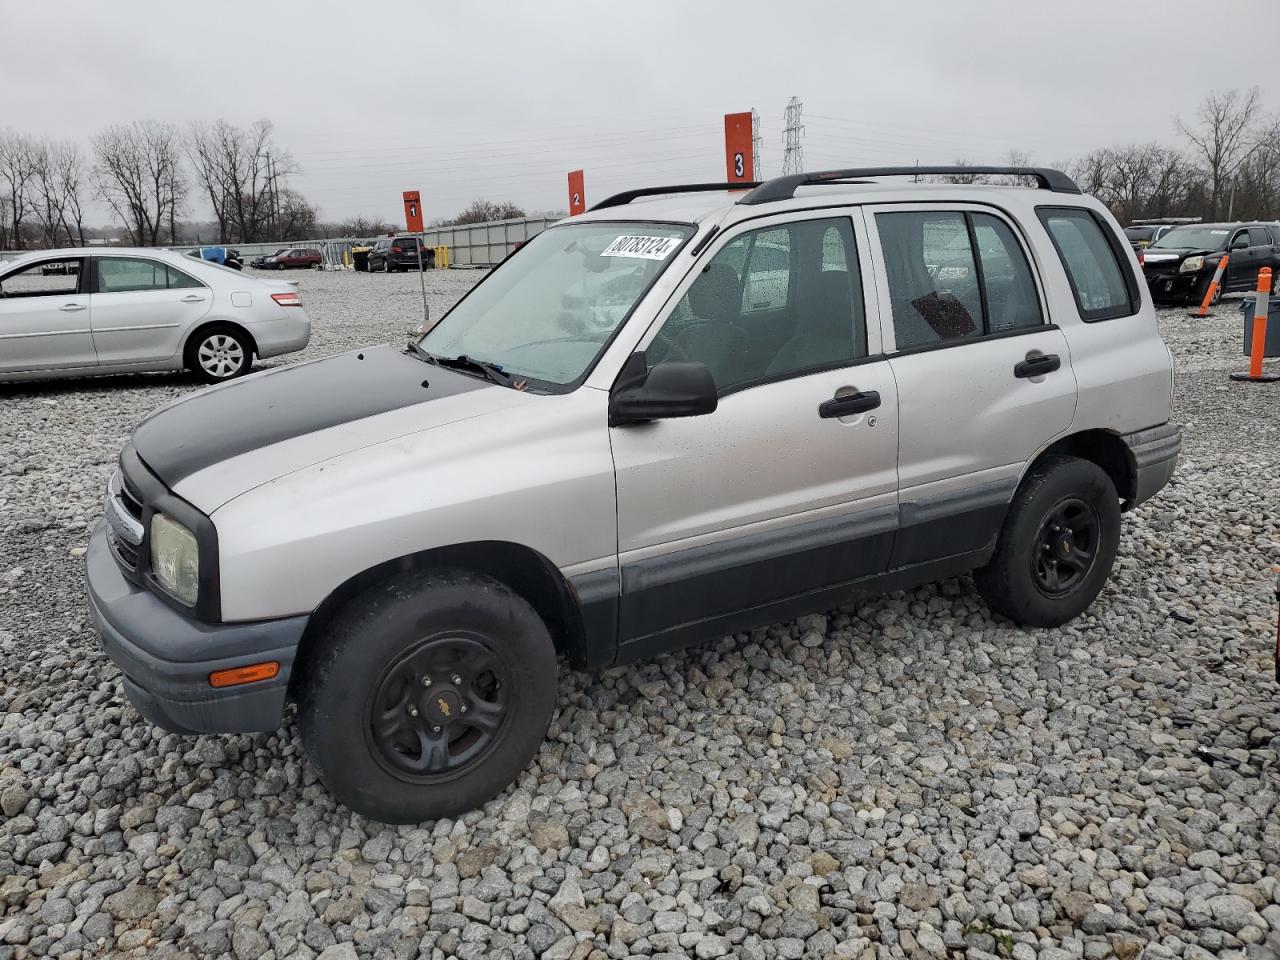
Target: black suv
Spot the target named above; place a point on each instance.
(1180, 264)
(390, 254)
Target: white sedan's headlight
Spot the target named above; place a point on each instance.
(1191, 265)
(175, 558)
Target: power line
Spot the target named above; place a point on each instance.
(793, 152)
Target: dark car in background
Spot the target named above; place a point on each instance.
(1142, 235)
(391, 254)
(1179, 266)
(290, 258)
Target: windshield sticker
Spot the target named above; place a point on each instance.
(1219, 233)
(644, 248)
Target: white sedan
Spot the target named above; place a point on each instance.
(80, 312)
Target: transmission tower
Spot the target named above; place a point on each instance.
(755, 145)
(793, 130)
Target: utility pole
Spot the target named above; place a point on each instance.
(755, 145)
(793, 131)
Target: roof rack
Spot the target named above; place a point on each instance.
(622, 199)
(1164, 220)
(784, 188)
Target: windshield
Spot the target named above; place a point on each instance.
(1193, 238)
(547, 313)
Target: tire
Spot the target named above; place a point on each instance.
(386, 265)
(219, 353)
(388, 698)
(1019, 581)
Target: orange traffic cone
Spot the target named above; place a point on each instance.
(1213, 288)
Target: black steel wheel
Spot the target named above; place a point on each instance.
(438, 707)
(1056, 546)
(426, 695)
(1068, 540)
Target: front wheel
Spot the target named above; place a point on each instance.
(427, 696)
(1057, 545)
(219, 353)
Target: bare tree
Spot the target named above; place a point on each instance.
(485, 211)
(56, 179)
(16, 156)
(139, 174)
(243, 173)
(1224, 136)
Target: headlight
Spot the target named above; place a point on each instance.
(175, 558)
(1191, 265)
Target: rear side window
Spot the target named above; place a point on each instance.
(1104, 288)
(955, 276)
(1258, 237)
(130, 275)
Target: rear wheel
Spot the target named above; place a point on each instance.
(1057, 545)
(427, 696)
(219, 353)
(386, 265)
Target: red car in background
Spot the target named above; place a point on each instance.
(290, 258)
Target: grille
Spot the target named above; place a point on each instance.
(124, 522)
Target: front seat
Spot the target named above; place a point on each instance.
(712, 335)
(824, 331)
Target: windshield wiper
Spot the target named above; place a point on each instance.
(488, 370)
(415, 348)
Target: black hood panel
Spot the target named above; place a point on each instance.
(223, 422)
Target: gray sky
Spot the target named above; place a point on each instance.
(499, 100)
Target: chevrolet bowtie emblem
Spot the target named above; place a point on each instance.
(443, 704)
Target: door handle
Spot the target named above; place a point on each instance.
(192, 298)
(72, 307)
(849, 405)
(1037, 366)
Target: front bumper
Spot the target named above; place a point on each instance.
(166, 657)
(1177, 287)
(1153, 454)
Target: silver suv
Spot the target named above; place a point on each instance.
(683, 414)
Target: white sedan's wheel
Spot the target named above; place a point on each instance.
(220, 355)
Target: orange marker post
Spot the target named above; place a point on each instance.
(577, 195)
(1213, 288)
(1258, 344)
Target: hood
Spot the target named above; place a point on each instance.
(215, 444)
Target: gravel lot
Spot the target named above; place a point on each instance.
(906, 777)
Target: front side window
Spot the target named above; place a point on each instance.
(1092, 263)
(773, 303)
(50, 278)
(131, 274)
(548, 312)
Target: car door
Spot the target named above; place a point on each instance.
(142, 308)
(44, 317)
(1242, 269)
(1264, 254)
(984, 379)
(789, 487)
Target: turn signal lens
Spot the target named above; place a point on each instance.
(250, 674)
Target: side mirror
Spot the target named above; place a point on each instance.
(673, 388)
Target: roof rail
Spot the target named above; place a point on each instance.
(622, 199)
(784, 188)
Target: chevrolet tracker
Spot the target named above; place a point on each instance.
(686, 413)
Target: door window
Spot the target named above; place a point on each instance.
(1258, 237)
(1090, 256)
(1011, 298)
(51, 278)
(131, 274)
(933, 279)
(1240, 241)
(774, 303)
